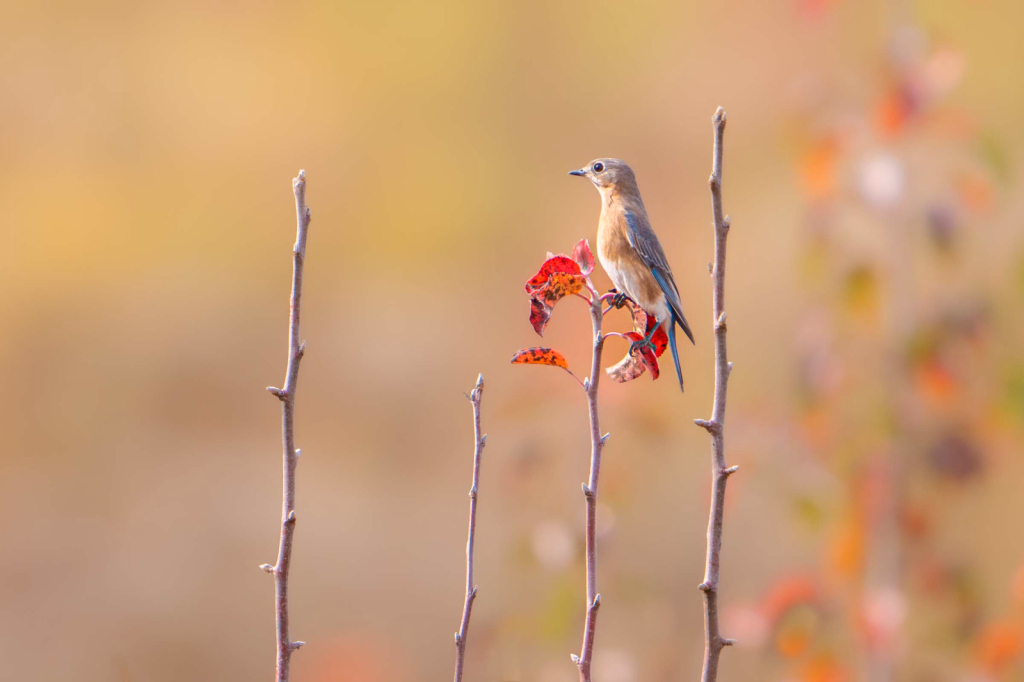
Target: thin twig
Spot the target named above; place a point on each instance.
(713, 640)
(597, 442)
(285, 646)
(480, 440)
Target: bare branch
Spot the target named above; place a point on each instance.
(713, 640)
(597, 441)
(286, 395)
(467, 608)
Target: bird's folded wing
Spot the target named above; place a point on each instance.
(645, 243)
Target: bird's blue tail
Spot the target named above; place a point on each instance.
(675, 351)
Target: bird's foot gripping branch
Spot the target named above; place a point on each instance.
(569, 276)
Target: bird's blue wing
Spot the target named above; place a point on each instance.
(643, 240)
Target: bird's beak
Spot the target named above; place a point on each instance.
(581, 172)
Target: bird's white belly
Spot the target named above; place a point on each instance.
(625, 282)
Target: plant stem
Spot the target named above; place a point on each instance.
(597, 441)
(480, 440)
(285, 646)
(713, 640)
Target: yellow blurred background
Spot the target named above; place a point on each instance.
(874, 289)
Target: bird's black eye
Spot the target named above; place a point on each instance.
(598, 167)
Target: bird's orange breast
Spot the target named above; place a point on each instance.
(623, 264)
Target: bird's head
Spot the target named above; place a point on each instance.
(607, 174)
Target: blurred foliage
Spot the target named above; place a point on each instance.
(876, 273)
(882, 326)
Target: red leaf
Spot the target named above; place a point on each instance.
(646, 354)
(583, 256)
(660, 338)
(551, 266)
(558, 277)
(632, 366)
(540, 313)
(540, 356)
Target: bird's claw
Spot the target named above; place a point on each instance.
(619, 300)
(639, 346)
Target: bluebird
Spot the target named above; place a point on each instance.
(631, 254)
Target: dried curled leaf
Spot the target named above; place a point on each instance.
(632, 366)
(540, 313)
(540, 356)
(583, 256)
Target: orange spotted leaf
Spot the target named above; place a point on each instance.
(583, 256)
(552, 265)
(543, 299)
(559, 285)
(540, 356)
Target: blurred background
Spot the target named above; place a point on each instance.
(874, 289)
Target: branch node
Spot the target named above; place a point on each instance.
(586, 383)
(587, 492)
(472, 595)
(267, 568)
(605, 437)
(706, 587)
(711, 427)
(597, 603)
(279, 393)
(728, 368)
(731, 470)
(291, 517)
(711, 268)
(720, 325)
(727, 642)
(726, 223)
(297, 645)
(458, 638)
(301, 351)
(483, 440)
(575, 658)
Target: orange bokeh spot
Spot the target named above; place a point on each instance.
(998, 645)
(823, 669)
(818, 168)
(891, 114)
